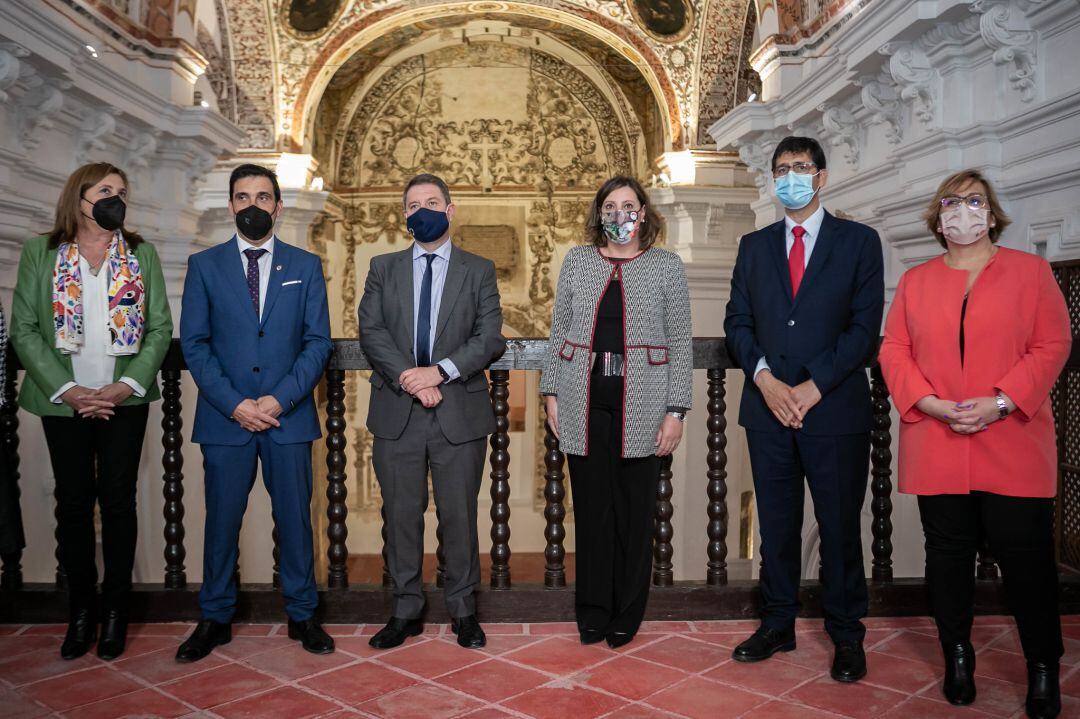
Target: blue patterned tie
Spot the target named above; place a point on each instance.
(253, 276)
(423, 323)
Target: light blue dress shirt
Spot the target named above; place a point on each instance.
(439, 267)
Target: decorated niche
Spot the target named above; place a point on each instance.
(484, 115)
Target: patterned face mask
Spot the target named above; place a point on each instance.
(620, 227)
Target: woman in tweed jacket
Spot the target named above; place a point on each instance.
(617, 385)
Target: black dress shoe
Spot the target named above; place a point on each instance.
(312, 636)
(395, 632)
(1043, 694)
(959, 686)
(849, 662)
(469, 632)
(619, 639)
(207, 635)
(591, 636)
(763, 643)
(81, 633)
(113, 634)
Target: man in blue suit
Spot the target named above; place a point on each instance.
(255, 332)
(807, 296)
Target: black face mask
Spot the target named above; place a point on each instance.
(109, 212)
(254, 222)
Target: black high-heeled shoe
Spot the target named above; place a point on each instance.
(591, 636)
(81, 634)
(1044, 693)
(113, 635)
(959, 685)
(619, 639)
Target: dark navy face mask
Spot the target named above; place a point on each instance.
(427, 225)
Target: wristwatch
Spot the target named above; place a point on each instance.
(681, 416)
(1003, 408)
(445, 375)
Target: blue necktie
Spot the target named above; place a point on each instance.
(423, 322)
(253, 275)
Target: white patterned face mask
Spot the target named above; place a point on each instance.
(964, 225)
(620, 227)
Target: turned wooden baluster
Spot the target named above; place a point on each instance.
(881, 485)
(61, 575)
(387, 579)
(500, 481)
(440, 553)
(337, 576)
(987, 566)
(717, 574)
(554, 513)
(172, 461)
(277, 559)
(663, 576)
(11, 576)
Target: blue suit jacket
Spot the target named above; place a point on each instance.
(827, 333)
(233, 356)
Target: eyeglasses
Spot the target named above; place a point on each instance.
(974, 202)
(799, 168)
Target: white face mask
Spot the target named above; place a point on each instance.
(963, 225)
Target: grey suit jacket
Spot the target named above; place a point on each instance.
(468, 331)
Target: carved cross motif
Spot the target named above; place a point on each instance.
(485, 146)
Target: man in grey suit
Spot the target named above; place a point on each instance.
(430, 322)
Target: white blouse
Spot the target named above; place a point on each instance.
(92, 365)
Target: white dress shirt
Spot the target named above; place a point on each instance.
(93, 366)
(812, 225)
(439, 266)
(266, 262)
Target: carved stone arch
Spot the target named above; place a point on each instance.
(362, 32)
(725, 77)
(398, 126)
(254, 74)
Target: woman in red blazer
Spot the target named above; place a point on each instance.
(973, 343)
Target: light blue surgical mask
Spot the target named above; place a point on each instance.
(794, 191)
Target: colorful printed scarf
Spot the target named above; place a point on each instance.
(126, 299)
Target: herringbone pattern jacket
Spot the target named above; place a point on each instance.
(659, 353)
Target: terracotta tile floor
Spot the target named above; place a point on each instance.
(673, 669)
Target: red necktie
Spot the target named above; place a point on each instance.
(796, 261)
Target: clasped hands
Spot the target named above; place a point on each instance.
(788, 404)
(423, 383)
(96, 403)
(256, 415)
(965, 417)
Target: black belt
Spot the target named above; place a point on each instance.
(608, 364)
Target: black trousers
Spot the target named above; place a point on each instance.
(614, 506)
(97, 461)
(1020, 532)
(835, 468)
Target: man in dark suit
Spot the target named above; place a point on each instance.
(807, 296)
(255, 332)
(430, 322)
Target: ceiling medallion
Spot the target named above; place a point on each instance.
(664, 20)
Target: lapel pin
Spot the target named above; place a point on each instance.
(278, 268)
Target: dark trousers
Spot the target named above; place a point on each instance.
(614, 506)
(229, 476)
(1020, 532)
(401, 468)
(95, 460)
(836, 469)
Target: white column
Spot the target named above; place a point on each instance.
(705, 218)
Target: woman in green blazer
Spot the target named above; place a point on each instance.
(91, 326)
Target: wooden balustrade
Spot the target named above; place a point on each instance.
(523, 354)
